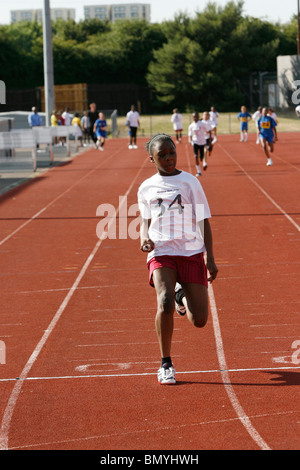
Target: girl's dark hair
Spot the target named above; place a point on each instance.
(160, 137)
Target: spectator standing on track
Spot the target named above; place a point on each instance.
(85, 125)
(76, 123)
(133, 122)
(266, 128)
(197, 135)
(100, 130)
(34, 119)
(93, 116)
(256, 116)
(176, 119)
(244, 117)
(67, 117)
(54, 123)
(175, 231)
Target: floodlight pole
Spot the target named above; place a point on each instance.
(48, 63)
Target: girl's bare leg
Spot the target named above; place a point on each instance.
(164, 280)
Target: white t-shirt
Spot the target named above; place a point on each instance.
(256, 116)
(211, 125)
(197, 132)
(132, 118)
(214, 116)
(175, 204)
(177, 121)
(273, 116)
(67, 118)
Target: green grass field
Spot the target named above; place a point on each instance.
(228, 124)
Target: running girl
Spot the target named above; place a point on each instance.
(256, 116)
(176, 232)
(176, 119)
(197, 133)
(100, 127)
(266, 127)
(244, 117)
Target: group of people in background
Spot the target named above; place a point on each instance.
(91, 129)
(202, 134)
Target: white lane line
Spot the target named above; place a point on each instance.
(7, 416)
(143, 374)
(37, 214)
(262, 190)
(245, 420)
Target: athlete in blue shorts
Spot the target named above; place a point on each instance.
(100, 127)
(244, 117)
(266, 126)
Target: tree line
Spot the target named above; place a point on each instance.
(183, 61)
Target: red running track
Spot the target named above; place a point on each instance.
(77, 314)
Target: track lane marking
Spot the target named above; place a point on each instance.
(143, 374)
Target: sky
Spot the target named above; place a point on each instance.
(271, 10)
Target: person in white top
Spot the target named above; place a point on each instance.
(297, 110)
(210, 140)
(213, 113)
(256, 116)
(197, 137)
(175, 231)
(176, 119)
(67, 117)
(273, 115)
(133, 122)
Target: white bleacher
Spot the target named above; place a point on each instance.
(13, 141)
(43, 135)
(19, 147)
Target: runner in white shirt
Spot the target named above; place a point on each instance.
(133, 122)
(197, 137)
(176, 119)
(209, 139)
(273, 115)
(256, 116)
(175, 231)
(213, 113)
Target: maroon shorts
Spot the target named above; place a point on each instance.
(190, 269)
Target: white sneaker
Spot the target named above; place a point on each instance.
(130, 147)
(166, 376)
(199, 173)
(101, 148)
(135, 146)
(269, 162)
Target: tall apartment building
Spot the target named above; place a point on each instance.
(113, 13)
(37, 15)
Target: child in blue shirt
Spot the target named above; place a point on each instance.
(244, 117)
(100, 127)
(266, 126)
